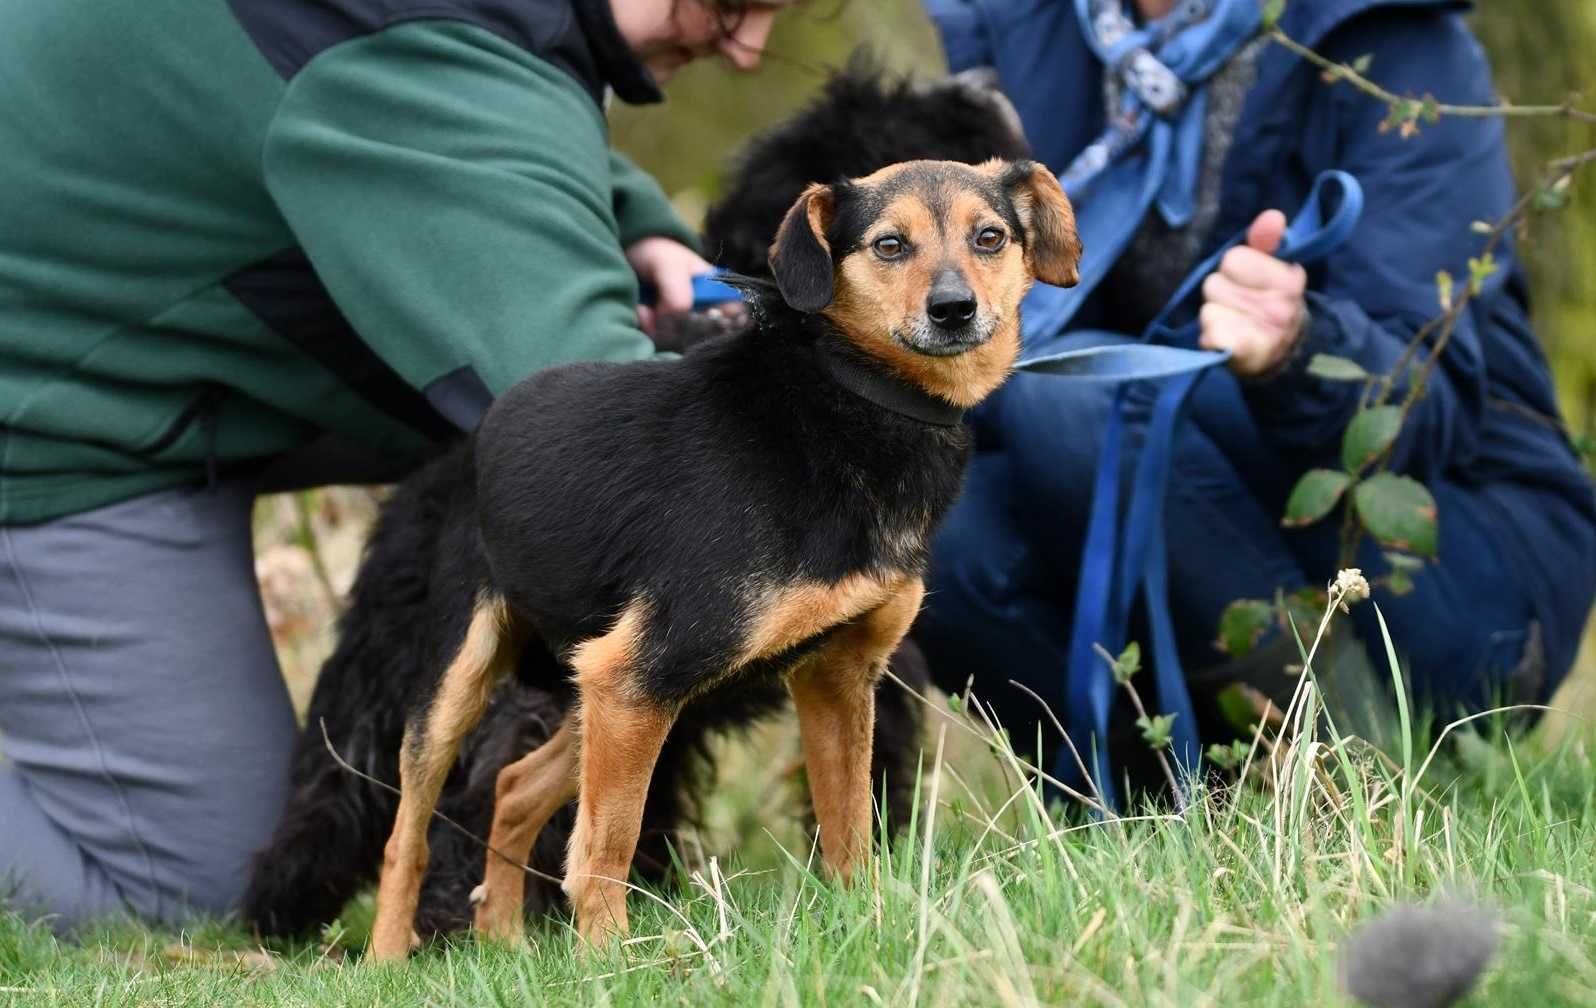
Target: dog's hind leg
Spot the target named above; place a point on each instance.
(430, 745)
(834, 693)
(527, 793)
(622, 734)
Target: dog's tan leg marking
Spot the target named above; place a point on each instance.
(529, 791)
(621, 736)
(428, 751)
(834, 692)
(800, 611)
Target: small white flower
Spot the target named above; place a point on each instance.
(1351, 585)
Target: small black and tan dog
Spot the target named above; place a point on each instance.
(408, 611)
(759, 509)
(676, 533)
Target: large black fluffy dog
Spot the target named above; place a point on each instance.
(407, 614)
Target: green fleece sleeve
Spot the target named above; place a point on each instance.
(641, 207)
(454, 194)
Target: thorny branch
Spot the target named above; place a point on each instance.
(1407, 111)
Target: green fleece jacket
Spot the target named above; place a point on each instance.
(229, 227)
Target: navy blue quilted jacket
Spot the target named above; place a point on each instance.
(1485, 419)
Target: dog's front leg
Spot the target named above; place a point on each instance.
(834, 693)
(622, 732)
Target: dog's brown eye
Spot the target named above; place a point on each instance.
(989, 239)
(888, 247)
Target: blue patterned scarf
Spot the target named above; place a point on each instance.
(1151, 152)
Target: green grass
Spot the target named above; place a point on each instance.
(1240, 906)
(988, 897)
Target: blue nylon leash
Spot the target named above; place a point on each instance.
(1120, 560)
(708, 291)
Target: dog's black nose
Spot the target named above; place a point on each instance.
(951, 304)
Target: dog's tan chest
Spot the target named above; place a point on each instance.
(786, 616)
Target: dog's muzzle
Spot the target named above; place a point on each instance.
(952, 317)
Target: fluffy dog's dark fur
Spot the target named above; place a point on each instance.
(409, 607)
(862, 120)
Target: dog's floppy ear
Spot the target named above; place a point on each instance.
(800, 258)
(1052, 246)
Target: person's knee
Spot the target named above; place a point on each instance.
(45, 874)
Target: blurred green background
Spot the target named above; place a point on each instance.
(1541, 51)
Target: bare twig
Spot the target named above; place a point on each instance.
(1345, 72)
(1075, 753)
(327, 741)
(1084, 799)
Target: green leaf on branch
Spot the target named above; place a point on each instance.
(1584, 445)
(1368, 435)
(1430, 109)
(1313, 496)
(1228, 757)
(1400, 582)
(1443, 289)
(1241, 624)
(1157, 730)
(1303, 608)
(1400, 579)
(1336, 368)
(1397, 511)
(1482, 227)
(1403, 115)
(1237, 708)
(1552, 197)
(1128, 663)
(1402, 561)
(1480, 270)
(1362, 63)
(1221, 757)
(1393, 116)
(1271, 13)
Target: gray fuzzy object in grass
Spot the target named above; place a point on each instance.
(1414, 956)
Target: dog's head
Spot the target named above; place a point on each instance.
(922, 265)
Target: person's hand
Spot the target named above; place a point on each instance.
(1253, 305)
(669, 267)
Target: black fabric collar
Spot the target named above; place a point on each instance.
(617, 65)
(873, 384)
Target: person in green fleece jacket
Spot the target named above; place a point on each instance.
(268, 242)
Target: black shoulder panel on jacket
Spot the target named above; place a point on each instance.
(578, 36)
(284, 291)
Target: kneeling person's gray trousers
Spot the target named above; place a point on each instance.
(145, 728)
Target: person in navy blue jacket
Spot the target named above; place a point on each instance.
(1499, 614)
